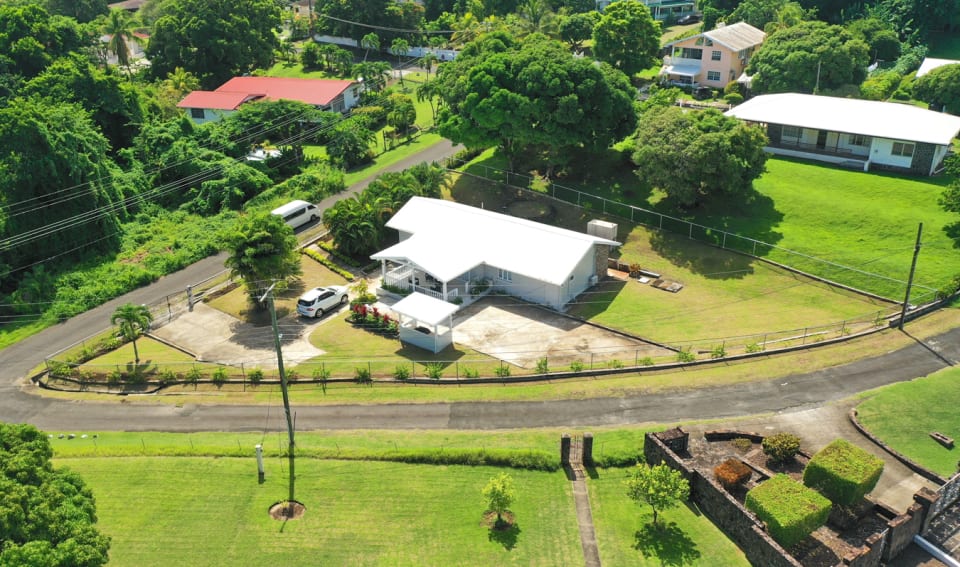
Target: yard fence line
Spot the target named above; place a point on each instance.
(881, 287)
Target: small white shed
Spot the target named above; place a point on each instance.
(425, 321)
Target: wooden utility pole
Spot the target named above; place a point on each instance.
(913, 269)
(268, 295)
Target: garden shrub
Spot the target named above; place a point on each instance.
(615, 364)
(219, 375)
(791, 510)
(328, 264)
(754, 348)
(742, 444)
(471, 373)
(542, 367)
(401, 372)
(362, 375)
(646, 361)
(255, 376)
(168, 377)
(732, 473)
(502, 371)
(114, 377)
(60, 369)
(686, 356)
(292, 375)
(843, 472)
(733, 98)
(576, 366)
(193, 375)
(434, 370)
(621, 458)
(781, 447)
(718, 351)
(321, 374)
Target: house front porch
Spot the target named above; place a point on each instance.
(411, 278)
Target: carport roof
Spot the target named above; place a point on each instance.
(447, 239)
(424, 308)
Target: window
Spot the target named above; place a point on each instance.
(505, 275)
(858, 140)
(713, 75)
(791, 132)
(688, 53)
(708, 42)
(902, 149)
(197, 113)
(716, 55)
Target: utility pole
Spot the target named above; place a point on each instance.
(913, 268)
(268, 295)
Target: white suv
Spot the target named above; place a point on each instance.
(318, 301)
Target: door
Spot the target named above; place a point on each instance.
(821, 139)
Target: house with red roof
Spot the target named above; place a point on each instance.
(325, 94)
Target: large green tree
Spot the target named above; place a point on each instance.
(801, 57)
(81, 10)
(880, 36)
(214, 39)
(940, 88)
(120, 28)
(658, 486)
(47, 516)
(627, 37)
(30, 39)
(262, 249)
(132, 320)
(533, 95)
(578, 28)
(691, 155)
(915, 19)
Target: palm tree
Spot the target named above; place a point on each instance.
(428, 60)
(430, 91)
(120, 27)
(132, 320)
(400, 47)
(182, 81)
(368, 42)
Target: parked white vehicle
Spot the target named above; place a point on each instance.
(320, 300)
(297, 213)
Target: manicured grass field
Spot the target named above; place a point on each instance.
(903, 415)
(625, 536)
(194, 511)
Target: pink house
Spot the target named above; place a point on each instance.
(712, 58)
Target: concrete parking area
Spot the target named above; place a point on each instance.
(522, 333)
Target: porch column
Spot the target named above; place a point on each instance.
(444, 291)
(383, 270)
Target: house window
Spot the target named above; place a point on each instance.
(689, 53)
(791, 132)
(197, 113)
(716, 55)
(713, 75)
(505, 275)
(902, 149)
(708, 42)
(858, 140)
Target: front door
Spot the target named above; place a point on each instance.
(821, 139)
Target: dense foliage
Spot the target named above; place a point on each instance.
(843, 472)
(533, 96)
(263, 250)
(790, 510)
(940, 88)
(627, 37)
(781, 447)
(47, 516)
(695, 155)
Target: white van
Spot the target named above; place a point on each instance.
(297, 213)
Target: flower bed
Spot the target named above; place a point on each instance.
(372, 319)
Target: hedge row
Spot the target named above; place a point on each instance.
(844, 473)
(326, 262)
(791, 510)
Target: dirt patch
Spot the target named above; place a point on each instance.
(287, 510)
(507, 520)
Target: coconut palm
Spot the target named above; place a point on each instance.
(132, 320)
(120, 27)
(368, 42)
(400, 47)
(428, 60)
(430, 92)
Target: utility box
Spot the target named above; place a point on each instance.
(603, 229)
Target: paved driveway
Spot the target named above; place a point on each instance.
(521, 333)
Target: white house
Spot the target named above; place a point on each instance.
(449, 250)
(931, 63)
(325, 94)
(861, 133)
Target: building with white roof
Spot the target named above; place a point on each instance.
(713, 58)
(861, 133)
(449, 250)
(931, 63)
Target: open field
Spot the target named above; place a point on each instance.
(625, 536)
(903, 416)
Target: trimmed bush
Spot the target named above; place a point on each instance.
(732, 473)
(219, 375)
(255, 376)
(328, 264)
(844, 473)
(781, 447)
(791, 510)
(401, 372)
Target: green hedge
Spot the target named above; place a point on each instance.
(844, 473)
(791, 510)
(326, 262)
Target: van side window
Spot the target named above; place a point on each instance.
(294, 214)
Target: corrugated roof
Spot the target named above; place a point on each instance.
(318, 92)
(851, 116)
(740, 35)
(930, 63)
(213, 100)
(450, 238)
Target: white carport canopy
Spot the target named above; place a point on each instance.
(424, 308)
(683, 70)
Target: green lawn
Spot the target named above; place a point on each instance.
(625, 537)
(903, 415)
(193, 511)
(945, 46)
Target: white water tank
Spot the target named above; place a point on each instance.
(603, 229)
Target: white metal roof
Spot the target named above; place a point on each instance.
(851, 116)
(683, 70)
(736, 37)
(424, 308)
(450, 238)
(930, 63)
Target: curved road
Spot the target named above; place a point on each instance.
(778, 395)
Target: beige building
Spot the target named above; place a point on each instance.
(712, 58)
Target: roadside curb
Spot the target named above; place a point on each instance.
(920, 470)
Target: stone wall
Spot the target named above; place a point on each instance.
(600, 255)
(868, 555)
(723, 510)
(922, 158)
(901, 531)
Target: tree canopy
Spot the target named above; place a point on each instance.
(533, 95)
(30, 39)
(47, 516)
(627, 37)
(658, 486)
(499, 494)
(214, 39)
(262, 249)
(795, 59)
(692, 155)
(940, 88)
(132, 320)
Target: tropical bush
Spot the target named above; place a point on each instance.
(781, 447)
(843, 472)
(732, 473)
(790, 510)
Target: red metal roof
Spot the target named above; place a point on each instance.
(214, 100)
(318, 92)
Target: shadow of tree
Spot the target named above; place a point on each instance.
(507, 537)
(668, 543)
(952, 231)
